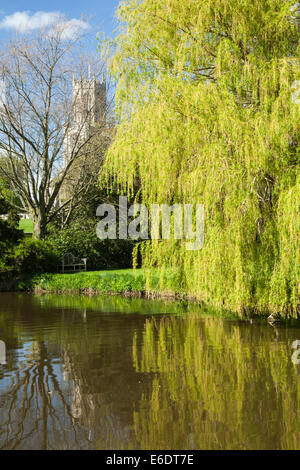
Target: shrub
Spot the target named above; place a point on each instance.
(34, 256)
(9, 237)
(81, 240)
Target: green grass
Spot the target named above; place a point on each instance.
(118, 281)
(26, 225)
(109, 281)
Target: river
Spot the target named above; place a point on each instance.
(116, 373)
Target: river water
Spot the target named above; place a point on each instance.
(115, 373)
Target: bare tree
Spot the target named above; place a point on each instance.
(53, 123)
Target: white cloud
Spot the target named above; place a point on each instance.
(71, 28)
(24, 22)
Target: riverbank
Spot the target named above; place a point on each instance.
(126, 282)
(117, 281)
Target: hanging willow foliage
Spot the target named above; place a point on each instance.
(206, 116)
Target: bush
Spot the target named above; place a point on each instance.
(24, 256)
(34, 256)
(81, 240)
(9, 237)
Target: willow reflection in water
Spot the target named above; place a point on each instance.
(113, 373)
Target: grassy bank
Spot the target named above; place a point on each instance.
(128, 282)
(105, 282)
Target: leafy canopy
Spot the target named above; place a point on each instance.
(205, 115)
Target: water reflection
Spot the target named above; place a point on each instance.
(113, 373)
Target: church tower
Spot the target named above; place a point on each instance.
(88, 107)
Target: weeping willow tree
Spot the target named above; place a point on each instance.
(206, 115)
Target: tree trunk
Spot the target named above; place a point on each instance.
(39, 227)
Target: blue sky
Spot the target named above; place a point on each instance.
(23, 14)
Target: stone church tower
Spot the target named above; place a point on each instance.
(88, 109)
(89, 106)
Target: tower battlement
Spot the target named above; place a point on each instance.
(88, 100)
